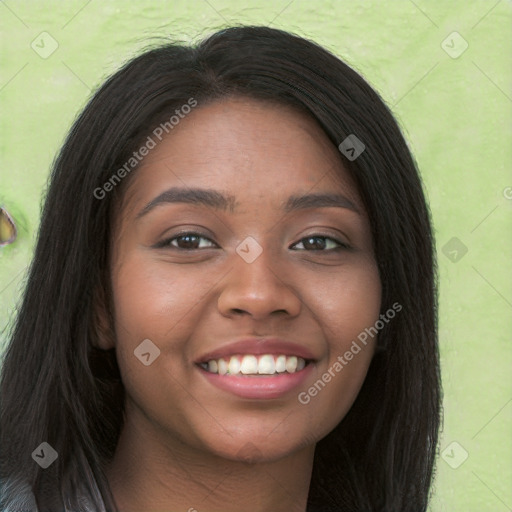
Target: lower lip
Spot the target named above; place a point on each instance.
(259, 387)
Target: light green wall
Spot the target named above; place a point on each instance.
(456, 114)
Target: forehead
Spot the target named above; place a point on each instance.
(250, 150)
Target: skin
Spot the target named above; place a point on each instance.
(185, 444)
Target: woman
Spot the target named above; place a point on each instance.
(232, 303)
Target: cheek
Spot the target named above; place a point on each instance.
(156, 306)
(348, 308)
(152, 301)
(349, 303)
(148, 305)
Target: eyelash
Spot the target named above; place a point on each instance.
(167, 242)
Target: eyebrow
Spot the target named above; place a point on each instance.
(218, 201)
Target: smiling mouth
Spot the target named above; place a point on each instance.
(252, 365)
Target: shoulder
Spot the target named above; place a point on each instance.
(16, 496)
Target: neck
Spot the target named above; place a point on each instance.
(149, 474)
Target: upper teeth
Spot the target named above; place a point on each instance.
(267, 364)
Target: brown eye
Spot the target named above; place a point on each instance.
(7, 228)
(311, 241)
(189, 238)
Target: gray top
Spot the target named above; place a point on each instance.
(17, 496)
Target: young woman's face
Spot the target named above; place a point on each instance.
(195, 278)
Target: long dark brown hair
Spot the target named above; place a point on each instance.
(58, 388)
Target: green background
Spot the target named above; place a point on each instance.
(453, 103)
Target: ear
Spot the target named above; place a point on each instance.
(101, 328)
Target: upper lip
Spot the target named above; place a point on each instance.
(258, 346)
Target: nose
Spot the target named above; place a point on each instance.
(259, 289)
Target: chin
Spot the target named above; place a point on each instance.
(256, 449)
